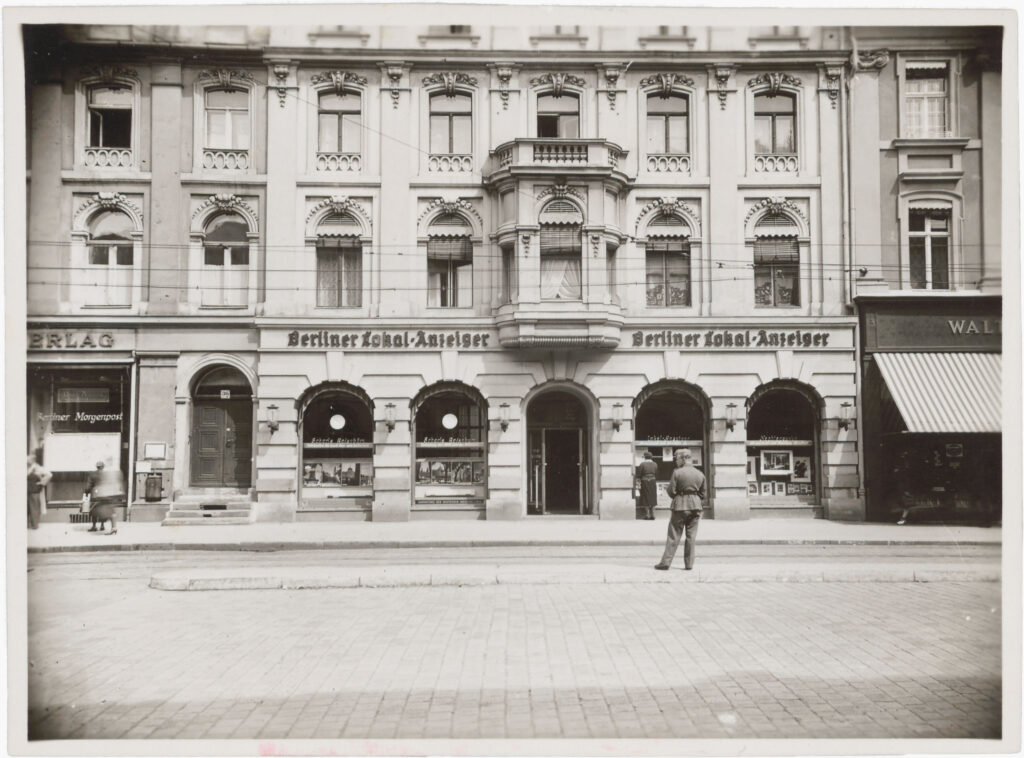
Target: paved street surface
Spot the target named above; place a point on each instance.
(111, 658)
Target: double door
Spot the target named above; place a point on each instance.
(222, 443)
(558, 471)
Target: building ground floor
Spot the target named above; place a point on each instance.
(285, 421)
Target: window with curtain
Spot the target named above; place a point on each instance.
(611, 272)
(929, 249)
(775, 124)
(668, 273)
(111, 257)
(225, 271)
(776, 263)
(927, 99)
(227, 119)
(451, 124)
(561, 262)
(509, 274)
(449, 263)
(110, 116)
(558, 116)
(667, 119)
(339, 272)
(340, 122)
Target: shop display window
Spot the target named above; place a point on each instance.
(450, 461)
(781, 446)
(337, 447)
(666, 420)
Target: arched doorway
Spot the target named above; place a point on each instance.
(337, 446)
(558, 454)
(222, 429)
(670, 415)
(783, 458)
(449, 448)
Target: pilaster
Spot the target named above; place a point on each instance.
(167, 269)
(991, 181)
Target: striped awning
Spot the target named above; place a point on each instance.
(945, 392)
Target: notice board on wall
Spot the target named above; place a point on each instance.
(81, 452)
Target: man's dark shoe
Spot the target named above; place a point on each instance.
(688, 568)
(662, 567)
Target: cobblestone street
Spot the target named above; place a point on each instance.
(111, 659)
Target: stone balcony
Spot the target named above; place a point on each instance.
(551, 156)
(549, 324)
(108, 157)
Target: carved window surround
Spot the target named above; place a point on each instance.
(107, 159)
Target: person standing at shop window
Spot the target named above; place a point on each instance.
(687, 490)
(647, 473)
(38, 478)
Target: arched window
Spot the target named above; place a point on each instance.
(558, 116)
(782, 444)
(775, 124)
(340, 122)
(111, 258)
(451, 124)
(110, 116)
(337, 446)
(667, 125)
(227, 119)
(668, 263)
(561, 251)
(776, 262)
(339, 263)
(450, 445)
(449, 263)
(226, 261)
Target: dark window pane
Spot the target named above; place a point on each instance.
(917, 264)
(125, 255)
(99, 255)
(547, 126)
(117, 128)
(917, 221)
(786, 286)
(940, 263)
(95, 128)
(213, 256)
(240, 256)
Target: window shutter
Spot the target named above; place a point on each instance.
(776, 250)
(449, 248)
(560, 240)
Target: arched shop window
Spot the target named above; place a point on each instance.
(450, 455)
(669, 416)
(337, 445)
(782, 445)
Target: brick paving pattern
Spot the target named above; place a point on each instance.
(583, 661)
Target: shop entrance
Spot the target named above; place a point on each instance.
(222, 430)
(558, 465)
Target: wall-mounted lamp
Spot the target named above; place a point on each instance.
(503, 419)
(730, 416)
(844, 416)
(272, 423)
(389, 416)
(617, 416)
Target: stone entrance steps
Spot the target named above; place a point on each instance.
(213, 508)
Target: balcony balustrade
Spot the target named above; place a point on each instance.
(343, 162)
(669, 163)
(108, 157)
(776, 164)
(551, 155)
(449, 163)
(226, 160)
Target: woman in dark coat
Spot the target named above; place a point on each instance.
(647, 473)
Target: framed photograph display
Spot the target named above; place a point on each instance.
(776, 462)
(801, 468)
(766, 488)
(752, 468)
(780, 488)
(752, 488)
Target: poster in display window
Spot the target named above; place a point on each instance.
(752, 488)
(752, 468)
(766, 488)
(776, 462)
(801, 468)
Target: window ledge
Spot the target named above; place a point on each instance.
(931, 176)
(960, 142)
(667, 38)
(577, 38)
(472, 39)
(224, 307)
(91, 307)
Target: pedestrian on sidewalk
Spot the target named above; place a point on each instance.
(38, 478)
(687, 490)
(105, 488)
(647, 473)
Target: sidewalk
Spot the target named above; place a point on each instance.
(531, 531)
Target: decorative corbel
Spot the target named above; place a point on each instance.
(393, 70)
(526, 244)
(504, 74)
(595, 243)
(611, 78)
(832, 76)
(722, 73)
(280, 71)
(872, 59)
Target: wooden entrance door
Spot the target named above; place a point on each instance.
(222, 443)
(563, 471)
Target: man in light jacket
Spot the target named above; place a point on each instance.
(686, 488)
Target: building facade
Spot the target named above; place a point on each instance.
(457, 272)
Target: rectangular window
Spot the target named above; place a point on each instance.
(340, 122)
(110, 117)
(561, 253)
(108, 280)
(668, 274)
(227, 119)
(776, 272)
(558, 117)
(612, 273)
(509, 275)
(775, 124)
(929, 249)
(225, 275)
(449, 272)
(927, 99)
(667, 124)
(451, 124)
(339, 273)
